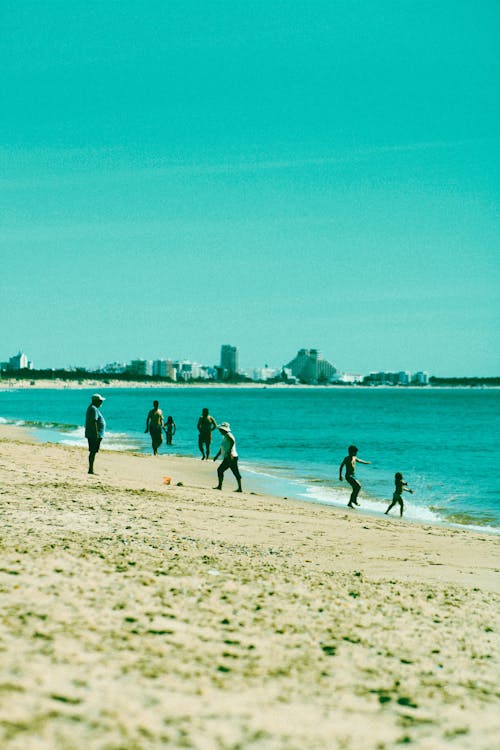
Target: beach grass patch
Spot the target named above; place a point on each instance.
(384, 699)
(66, 699)
(405, 701)
(329, 649)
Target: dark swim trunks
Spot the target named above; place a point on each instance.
(94, 444)
(156, 436)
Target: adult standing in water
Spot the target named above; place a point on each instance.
(154, 425)
(350, 462)
(206, 425)
(229, 456)
(95, 426)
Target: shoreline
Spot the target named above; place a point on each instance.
(260, 480)
(8, 384)
(140, 614)
(192, 473)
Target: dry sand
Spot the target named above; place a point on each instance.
(137, 615)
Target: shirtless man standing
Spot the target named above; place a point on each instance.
(206, 425)
(154, 424)
(350, 462)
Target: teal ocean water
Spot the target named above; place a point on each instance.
(444, 441)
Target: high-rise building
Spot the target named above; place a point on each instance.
(228, 360)
(421, 378)
(160, 368)
(20, 362)
(310, 367)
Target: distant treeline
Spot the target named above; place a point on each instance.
(80, 375)
(464, 381)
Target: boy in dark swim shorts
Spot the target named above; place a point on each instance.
(350, 462)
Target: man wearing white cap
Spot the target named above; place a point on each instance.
(94, 428)
(229, 455)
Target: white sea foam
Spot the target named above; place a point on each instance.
(300, 489)
(113, 441)
(412, 512)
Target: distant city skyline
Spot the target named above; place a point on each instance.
(308, 366)
(273, 174)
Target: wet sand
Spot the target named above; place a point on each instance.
(141, 615)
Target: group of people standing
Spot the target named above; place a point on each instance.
(95, 426)
(156, 425)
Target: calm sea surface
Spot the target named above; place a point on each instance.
(444, 441)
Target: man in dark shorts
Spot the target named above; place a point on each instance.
(206, 425)
(154, 425)
(95, 426)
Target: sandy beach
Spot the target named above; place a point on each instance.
(138, 614)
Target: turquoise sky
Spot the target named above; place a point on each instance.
(272, 175)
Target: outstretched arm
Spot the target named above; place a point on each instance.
(360, 461)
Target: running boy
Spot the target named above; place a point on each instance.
(350, 462)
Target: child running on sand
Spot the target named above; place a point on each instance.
(401, 487)
(350, 462)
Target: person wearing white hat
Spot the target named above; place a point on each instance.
(229, 456)
(95, 426)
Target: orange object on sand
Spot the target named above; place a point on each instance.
(167, 480)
